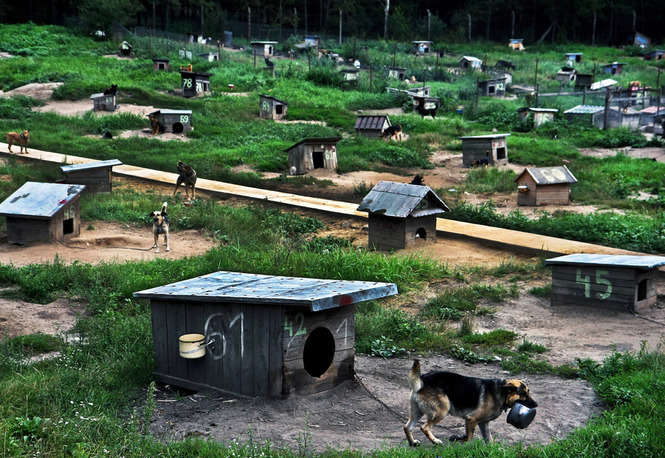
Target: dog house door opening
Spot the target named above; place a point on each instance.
(421, 233)
(642, 290)
(501, 153)
(317, 158)
(278, 109)
(68, 226)
(491, 89)
(319, 352)
(177, 128)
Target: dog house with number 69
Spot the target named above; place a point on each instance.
(620, 282)
(263, 335)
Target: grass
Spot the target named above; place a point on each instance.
(530, 347)
(454, 302)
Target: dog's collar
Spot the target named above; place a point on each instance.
(22, 135)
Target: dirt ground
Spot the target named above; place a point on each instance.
(348, 417)
(80, 107)
(654, 153)
(39, 91)
(19, 317)
(147, 133)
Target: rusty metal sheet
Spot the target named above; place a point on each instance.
(234, 287)
(39, 200)
(401, 200)
(636, 262)
(90, 165)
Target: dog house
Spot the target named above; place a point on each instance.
(649, 114)
(566, 75)
(585, 114)
(422, 47)
(544, 186)
(656, 54)
(614, 68)
(493, 87)
(470, 63)
(194, 84)
(313, 153)
(161, 63)
(397, 73)
(619, 282)
(271, 107)
(209, 56)
(43, 212)
(422, 91)
(96, 176)
(401, 215)
(484, 149)
(426, 106)
(516, 44)
(260, 335)
(617, 117)
(583, 80)
(175, 121)
(103, 102)
(640, 40)
(263, 48)
(573, 58)
(349, 76)
(372, 126)
(540, 115)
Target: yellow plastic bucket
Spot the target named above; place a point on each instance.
(192, 346)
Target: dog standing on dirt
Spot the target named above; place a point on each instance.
(154, 124)
(393, 132)
(21, 139)
(160, 225)
(477, 400)
(187, 177)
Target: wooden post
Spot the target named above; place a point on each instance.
(309, 61)
(658, 80)
(584, 95)
(537, 89)
(395, 57)
(512, 27)
(254, 54)
(607, 109)
(370, 77)
(469, 29)
(249, 26)
(354, 47)
(429, 17)
(340, 27)
(535, 78)
(593, 76)
(437, 59)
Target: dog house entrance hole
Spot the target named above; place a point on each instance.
(161, 66)
(319, 352)
(177, 128)
(501, 153)
(317, 158)
(421, 233)
(490, 89)
(278, 109)
(68, 226)
(642, 290)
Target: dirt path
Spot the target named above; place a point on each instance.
(347, 417)
(80, 107)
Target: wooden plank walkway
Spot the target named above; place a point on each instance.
(505, 238)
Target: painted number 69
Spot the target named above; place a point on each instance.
(586, 281)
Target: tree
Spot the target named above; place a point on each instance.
(386, 10)
(103, 14)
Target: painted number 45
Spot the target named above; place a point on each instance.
(586, 281)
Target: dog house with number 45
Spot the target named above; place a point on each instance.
(257, 335)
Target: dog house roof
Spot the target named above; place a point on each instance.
(263, 96)
(90, 165)
(39, 200)
(584, 109)
(264, 43)
(323, 140)
(549, 175)
(618, 260)
(234, 287)
(401, 200)
(161, 59)
(171, 112)
(367, 122)
(99, 95)
(484, 137)
(470, 59)
(602, 84)
(195, 74)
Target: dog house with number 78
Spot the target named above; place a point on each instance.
(257, 335)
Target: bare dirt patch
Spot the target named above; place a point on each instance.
(21, 318)
(115, 56)
(301, 121)
(80, 107)
(147, 133)
(107, 242)
(347, 417)
(39, 91)
(383, 111)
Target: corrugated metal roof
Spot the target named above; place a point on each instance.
(185, 72)
(39, 200)
(401, 200)
(324, 140)
(549, 175)
(366, 122)
(544, 110)
(173, 112)
(603, 84)
(99, 95)
(585, 109)
(471, 59)
(620, 260)
(237, 287)
(90, 165)
(273, 98)
(479, 137)
(653, 110)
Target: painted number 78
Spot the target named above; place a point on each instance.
(586, 281)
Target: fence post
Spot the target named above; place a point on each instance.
(584, 95)
(607, 109)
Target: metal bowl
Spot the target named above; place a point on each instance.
(520, 416)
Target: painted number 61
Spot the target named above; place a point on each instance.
(586, 281)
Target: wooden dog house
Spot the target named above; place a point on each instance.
(43, 212)
(263, 48)
(516, 44)
(614, 68)
(493, 87)
(194, 84)
(656, 54)
(313, 153)
(161, 63)
(619, 282)
(573, 57)
(583, 80)
(397, 73)
(422, 47)
(540, 115)
(470, 63)
(96, 176)
(372, 126)
(489, 149)
(349, 76)
(264, 335)
(401, 215)
(103, 102)
(544, 186)
(272, 108)
(175, 121)
(585, 114)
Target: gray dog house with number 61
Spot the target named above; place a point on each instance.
(264, 335)
(176, 121)
(619, 282)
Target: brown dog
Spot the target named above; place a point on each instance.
(478, 401)
(21, 139)
(160, 225)
(187, 177)
(154, 124)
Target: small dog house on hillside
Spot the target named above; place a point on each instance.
(614, 68)
(489, 149)
(43, 212)
(583, 80)
(349, 76)
(619, 282)
(259, 335)
(422, 47)
(617, 117)
(103, 102)
(194, 84)
(96, 176)
(175, 121)
(516, 44)
(656, 54)
(585, 114)
(544, 186)
(540, 115)
(263, 48)
(401, 215)
(271, 107)
(313, 153)
(470, 63)
(397, 73)
(493, 87)
(372, 126)
(161, 63)
(209, 56)
(573, 57)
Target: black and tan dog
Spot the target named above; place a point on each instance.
(187, 177)
(21, 139)
(478, 401)
(160, 225)
(393, 132)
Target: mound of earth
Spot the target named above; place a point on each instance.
(20, 318)
(80, 107)
(147, 133)
(39, 91)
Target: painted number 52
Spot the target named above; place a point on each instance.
(586, 281)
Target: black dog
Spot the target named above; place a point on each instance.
(418, 180)
(479, 162)
(394, 131)
(113, 90)
(269, 63)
